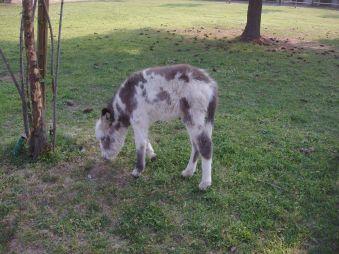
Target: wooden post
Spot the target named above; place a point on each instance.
(42, 44)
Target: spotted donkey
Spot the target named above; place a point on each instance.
(161, 94)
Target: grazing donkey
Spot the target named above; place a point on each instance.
(161, 94)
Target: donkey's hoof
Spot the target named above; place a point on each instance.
(187, 173)
(153, 157)
(135, 173)
(204, 185)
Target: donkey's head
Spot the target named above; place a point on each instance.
(110, 132)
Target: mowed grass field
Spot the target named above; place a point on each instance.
(275, 169)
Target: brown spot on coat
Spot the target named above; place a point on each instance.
(110, 107)
(185, 107)
(198, 74)
(169, 72)
(117, 126)
(127, 92)
(107, 114)
(123, 118)
(163, 96)
(184, 71)
(205, 146)
(106, 142)
(184, 77)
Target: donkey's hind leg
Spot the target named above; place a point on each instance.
(192, 164)
(203, 139)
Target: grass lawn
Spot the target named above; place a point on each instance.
(276, 136)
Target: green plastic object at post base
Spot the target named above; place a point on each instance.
(19, 145)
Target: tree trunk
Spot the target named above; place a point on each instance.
(252, 29)
(38, 138)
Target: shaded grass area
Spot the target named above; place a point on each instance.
(275, 139)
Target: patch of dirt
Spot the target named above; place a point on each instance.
(103, 171)
(290, 45)
(16, 246)
(208, 33)
(54, 186)
(116, 242)
(293, 46)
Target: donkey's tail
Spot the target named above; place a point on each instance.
(212, 105)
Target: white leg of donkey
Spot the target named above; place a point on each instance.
(141, 143)
(205, 147)
(150, 152)
(202, 141)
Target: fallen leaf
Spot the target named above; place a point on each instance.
(70, 103)
(307, 151)
(87, 110)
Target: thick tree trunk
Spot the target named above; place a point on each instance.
(38, 138)
(252, 29)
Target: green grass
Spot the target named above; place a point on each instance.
(267, 195)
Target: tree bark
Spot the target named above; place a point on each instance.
(252, 29)
(38, 139)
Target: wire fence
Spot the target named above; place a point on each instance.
(314, 3)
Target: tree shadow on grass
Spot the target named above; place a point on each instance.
(334, 42)
(259, 199)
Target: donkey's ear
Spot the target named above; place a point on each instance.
(106, 114)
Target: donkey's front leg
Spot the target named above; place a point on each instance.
(141, 141)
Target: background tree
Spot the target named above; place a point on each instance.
(31, 85)
(252, 29)
(38, 135)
